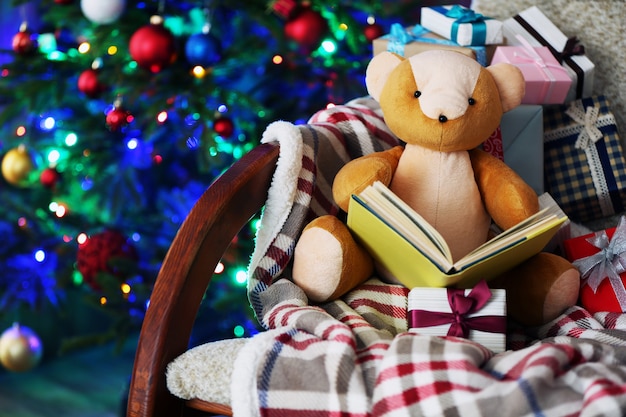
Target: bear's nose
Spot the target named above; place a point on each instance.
(443, 118)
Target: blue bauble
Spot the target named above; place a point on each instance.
(203, 49)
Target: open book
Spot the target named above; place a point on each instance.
(410, 249)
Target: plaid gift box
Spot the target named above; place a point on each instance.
(538, 30)
(585, 170)
(477, 314)
(462, 25)
(415, 39)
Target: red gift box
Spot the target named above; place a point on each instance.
(592, 255)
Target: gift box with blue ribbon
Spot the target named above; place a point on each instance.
(462, 25)
(415, 39)
(477, 314)
(584, 166)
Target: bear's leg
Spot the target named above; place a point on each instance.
(327, 260)
(539, 289)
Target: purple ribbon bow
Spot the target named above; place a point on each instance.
(462, 306)
(572, 47)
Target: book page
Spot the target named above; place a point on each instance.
(542, 220)
(409, 223)
(383, 203)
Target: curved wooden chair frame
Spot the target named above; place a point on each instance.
(215, 219)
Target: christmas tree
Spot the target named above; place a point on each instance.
(116, 115)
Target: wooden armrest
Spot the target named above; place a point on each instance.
(215, 219)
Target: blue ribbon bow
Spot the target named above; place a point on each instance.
(463, 15)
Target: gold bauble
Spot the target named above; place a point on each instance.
(20, 348)
(17, 165)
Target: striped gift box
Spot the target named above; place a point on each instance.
(585, 171)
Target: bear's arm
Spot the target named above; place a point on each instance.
(507, 197)
(357, 174)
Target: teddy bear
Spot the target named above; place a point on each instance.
(442, 105)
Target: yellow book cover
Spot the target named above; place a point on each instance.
(411, 250)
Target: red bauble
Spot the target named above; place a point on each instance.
(373, 31)
(89, 84)
(49, 177)
(95, 254)
(118, 118)
(224, 127)
(153, 46)
(23, 43)
(307, 27)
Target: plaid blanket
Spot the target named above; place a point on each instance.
(355, 356)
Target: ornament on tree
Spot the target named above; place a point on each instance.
(306, 26)
(118, 117)
(102, 12)
(96, 253)
(203, 49)
(23, 42)
(49, 177)
(153, 46)
(17, 165)
(373, 31)
(20, 348)
(224, 127)
(88, 82)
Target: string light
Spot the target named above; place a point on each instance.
(77, 278)
(40, 255)
(81, 238)
(198, 71)
(103, 300)
(162, 117)
(71, 139)
(219, 268)
(132, 144)
(241, 277)
(239, 331)
(125, 288)
(53, 156)
(20, 131)
(84, 47)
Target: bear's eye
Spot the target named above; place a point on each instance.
(471, 101)
(417, 93)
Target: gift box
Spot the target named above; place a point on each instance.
(478, 314)
(415, 39)
(584, 166)
(601, 259)
(547, 82)
(538, 30)
(518, 141)
(462, 25)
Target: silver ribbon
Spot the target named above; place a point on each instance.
(609, 262)
(586, 140)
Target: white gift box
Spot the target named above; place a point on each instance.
(428, 299)
(462, 25)
(538, 30)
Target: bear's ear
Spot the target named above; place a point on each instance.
(378, 71)
(510, 82)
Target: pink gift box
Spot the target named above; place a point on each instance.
(547, 82)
